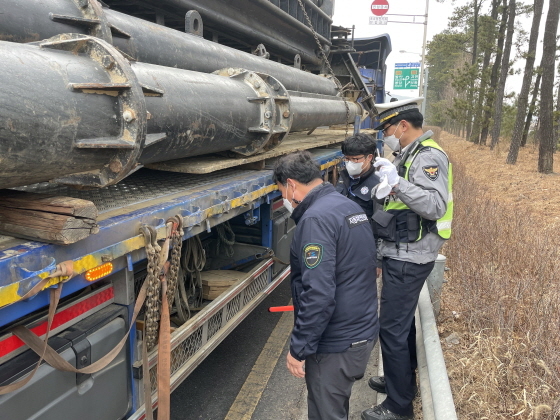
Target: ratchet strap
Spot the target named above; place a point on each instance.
(55, 360)
(64, 269)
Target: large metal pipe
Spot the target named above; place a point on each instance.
(73, 110)
(50, 130)
(28, 21)
(312, 112)
(143, 41)
(259, 23)
(200, 113)
(152, 43)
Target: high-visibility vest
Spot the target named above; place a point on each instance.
(443, 224)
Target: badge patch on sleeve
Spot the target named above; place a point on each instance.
(312, 255)
(356, 219)
(432, 172)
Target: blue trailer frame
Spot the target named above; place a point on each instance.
(202, 201)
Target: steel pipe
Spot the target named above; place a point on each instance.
(73, 110)
(49, 129)
(152, 43)
(143, 41)
(287, 35)
(200, 113)
(313, 112)
(28, 21)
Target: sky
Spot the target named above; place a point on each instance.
(409, 37)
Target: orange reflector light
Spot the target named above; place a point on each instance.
(98, 272)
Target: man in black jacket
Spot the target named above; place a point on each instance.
(358, 178)
(334, 291)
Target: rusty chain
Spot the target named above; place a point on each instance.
(328, 65)
(153, 302)
(154, 272)
(176, 245)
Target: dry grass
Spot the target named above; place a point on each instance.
(503, 294)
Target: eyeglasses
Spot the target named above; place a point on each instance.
(386, 128)
(354, 159)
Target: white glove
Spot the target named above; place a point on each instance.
(388, 169)
(383, 188)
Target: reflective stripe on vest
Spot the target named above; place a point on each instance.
(444, 223)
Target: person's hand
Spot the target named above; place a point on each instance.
(295, 366)
(379, 161)
(379, 272)
(387, 168)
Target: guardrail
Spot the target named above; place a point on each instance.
(435, 391)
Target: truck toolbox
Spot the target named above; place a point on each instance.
(54, 395)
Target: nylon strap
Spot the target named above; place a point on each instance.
(164, 357)
(63, 269)
(53, 303)
(57, 362)
(146, 383)
(278, 260)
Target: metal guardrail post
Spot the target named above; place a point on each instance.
(435, 282)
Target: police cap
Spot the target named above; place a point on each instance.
(389, 110)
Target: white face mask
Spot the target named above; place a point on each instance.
(288, 205)
(392, 142)
(354, 168)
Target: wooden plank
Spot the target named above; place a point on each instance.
(58, 220)
(47, 203)
(211, 163)
(215, 282)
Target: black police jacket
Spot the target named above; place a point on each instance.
(333, 264)
(361, 189)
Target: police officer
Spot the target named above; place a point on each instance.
(332, 261)
(358, 178)
(415, 222)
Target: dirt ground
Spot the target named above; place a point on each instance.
(516, 186)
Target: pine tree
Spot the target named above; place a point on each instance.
(546, 131)
(498, 103)
(523, 98)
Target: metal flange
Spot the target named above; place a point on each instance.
(93, 19)
(275, 113)
(122, 84)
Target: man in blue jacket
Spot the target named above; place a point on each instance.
(358, 178)
(333, 264)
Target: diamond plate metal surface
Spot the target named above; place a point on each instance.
(143, 185)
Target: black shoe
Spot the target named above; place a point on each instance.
(377, 383)
(381, 413)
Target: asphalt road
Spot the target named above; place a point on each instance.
(245, 377)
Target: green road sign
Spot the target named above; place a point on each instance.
(406, 79)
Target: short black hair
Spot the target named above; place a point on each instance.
(414, 118)
(299, 166)
(359, 144)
